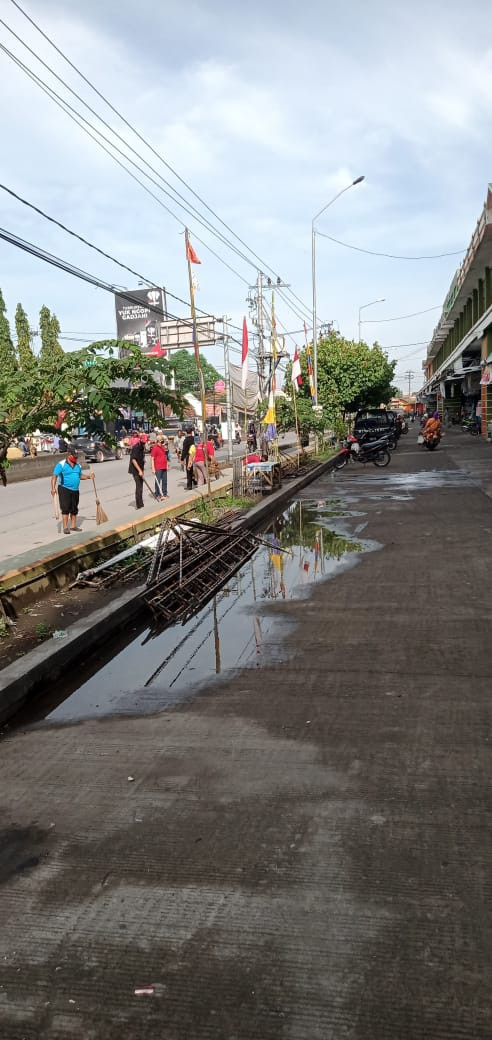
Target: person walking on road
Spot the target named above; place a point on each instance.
(66, 479)
(188, 443)
(199, 462)
(179, 446)
(159, 463)
(136, 468)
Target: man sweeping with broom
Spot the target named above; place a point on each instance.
(66, 478)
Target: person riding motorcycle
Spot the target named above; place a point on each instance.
(432, 427)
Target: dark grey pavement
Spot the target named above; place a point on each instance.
(304, 851)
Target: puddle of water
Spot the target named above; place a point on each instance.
(145, 670)
(401, 487)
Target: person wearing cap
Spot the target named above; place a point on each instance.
(66, 480)
(136, 468)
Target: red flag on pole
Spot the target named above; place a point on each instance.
(244, 357)
(296, 370)
(191, 255)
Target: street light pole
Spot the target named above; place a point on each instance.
(313, 275)
(364, 305)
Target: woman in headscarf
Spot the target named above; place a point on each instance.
(433, 426)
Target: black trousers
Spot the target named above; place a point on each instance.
(138, 489)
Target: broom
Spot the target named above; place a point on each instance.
(101, 517)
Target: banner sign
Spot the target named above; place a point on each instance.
(139, 313)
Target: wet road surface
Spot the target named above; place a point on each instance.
(301, 848)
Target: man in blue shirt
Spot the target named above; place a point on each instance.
(66, 477)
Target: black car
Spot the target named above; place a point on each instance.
(95, 449)
(372, 423)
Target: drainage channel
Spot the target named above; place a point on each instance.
(143, 671)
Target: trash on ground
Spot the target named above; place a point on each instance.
(60, 633)
(144, 991)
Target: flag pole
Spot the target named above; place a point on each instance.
(294, 391)
(197, 359)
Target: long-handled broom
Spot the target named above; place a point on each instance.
(101, 517)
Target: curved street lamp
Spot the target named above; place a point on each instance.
(313, 272)
(371, 304)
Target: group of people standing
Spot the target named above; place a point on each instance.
(159, 460)
(192, 452)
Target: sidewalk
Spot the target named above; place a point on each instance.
(27, 522)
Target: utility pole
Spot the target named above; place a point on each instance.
(409, 375)
(228, 387)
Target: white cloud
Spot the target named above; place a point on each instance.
(267, 117)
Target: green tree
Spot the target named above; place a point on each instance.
(308, 420)
(27, 359)
(87, 384)
(8, 359)
(352, 375)
(183, 363)
(51, 351)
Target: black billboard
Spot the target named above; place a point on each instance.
(139, 313)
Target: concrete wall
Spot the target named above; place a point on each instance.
(41, 466)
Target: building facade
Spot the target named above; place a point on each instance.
(458, 367)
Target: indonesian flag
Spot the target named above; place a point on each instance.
(296, 371)
(191, 255)
(244, 356)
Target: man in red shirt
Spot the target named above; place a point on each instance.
(159, 462)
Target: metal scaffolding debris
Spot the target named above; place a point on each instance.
(187, 571)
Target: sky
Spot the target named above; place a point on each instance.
(266, 112)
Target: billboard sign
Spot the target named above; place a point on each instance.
(178, 335)
(139, 313)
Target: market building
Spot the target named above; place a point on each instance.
(458, 367)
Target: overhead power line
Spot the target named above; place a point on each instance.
(390, 256)
(401, 317)
(140, 137)
(91, 245)
(79, 120)
(86, 276)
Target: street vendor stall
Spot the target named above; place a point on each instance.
(263, 477)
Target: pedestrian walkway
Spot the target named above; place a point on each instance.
(303, 849)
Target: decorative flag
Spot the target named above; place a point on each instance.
(244, 357)
(309, 361)
(191, 255)
(296, 370)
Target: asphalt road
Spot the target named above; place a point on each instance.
(301, 851)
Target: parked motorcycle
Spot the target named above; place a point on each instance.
(376, 452)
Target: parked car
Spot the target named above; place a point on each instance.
(373, 423)
(95, 449)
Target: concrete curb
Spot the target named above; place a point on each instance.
(23, 678)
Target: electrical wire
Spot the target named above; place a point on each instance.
(401, 317)
(137, 134)
(79, 120)
(91, 245)
(389, 256)
(77, 272)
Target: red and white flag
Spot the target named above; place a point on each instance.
(190, 254)
(244, 357)
(296, 370)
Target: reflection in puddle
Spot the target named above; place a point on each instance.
(400, 487)
(146, 670)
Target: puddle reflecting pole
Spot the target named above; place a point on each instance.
(216, 638)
